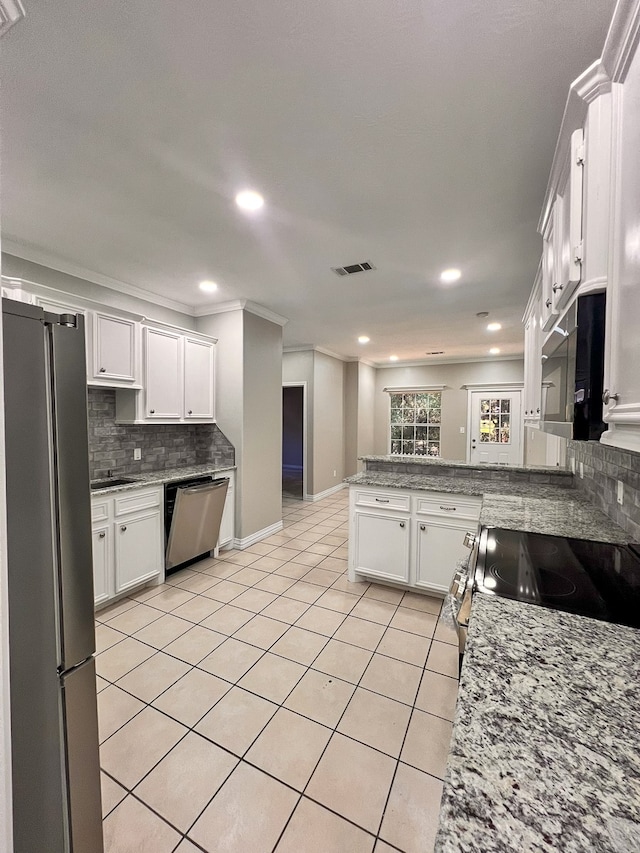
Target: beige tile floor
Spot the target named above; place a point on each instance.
(260, 702)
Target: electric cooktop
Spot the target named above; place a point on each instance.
(596, 579)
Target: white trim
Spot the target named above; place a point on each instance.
(314, 348)
(621, 41)
(241, 305)
(241, 544)
(43, 258)
(453, 360)
(11, 11)
(305, 462)
(361, 360)
(619, 436)
(327, 493)
(485, 386)
(412, 389)
(534, 295)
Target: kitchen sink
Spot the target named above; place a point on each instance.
(111, 481)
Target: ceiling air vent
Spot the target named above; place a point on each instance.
(353, 268)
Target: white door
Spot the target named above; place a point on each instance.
(439, 546)
(114, 355)
(101, 563)
(163, 370)
(382, 546)
(496, 427)
(138, 550)
(198, 378)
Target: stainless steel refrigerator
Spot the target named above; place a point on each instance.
(54, 726)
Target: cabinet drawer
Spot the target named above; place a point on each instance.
(384, 500)
(451, 506)
(99, 510)
(135, 501)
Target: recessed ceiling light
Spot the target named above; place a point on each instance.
(393, 358)
(494, 327)
(494, 351)
(208, 286)
(363, 339)
(450, 275)
(249, 200)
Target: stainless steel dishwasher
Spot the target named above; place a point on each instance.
(193, 515)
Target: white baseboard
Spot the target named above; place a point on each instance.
(327, 493)
(241, 544)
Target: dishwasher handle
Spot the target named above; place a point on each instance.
(204, 487)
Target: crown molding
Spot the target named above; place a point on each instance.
(412, 389)
(469, 360)
(314, 348)
(484, 386)
(592, 83)
(241, 305)
(622, 39)
(45, 259)
(11, 11)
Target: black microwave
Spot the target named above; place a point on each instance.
(573, 371)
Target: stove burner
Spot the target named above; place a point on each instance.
(550, 584)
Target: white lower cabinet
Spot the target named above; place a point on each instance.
(416, 545)
(381, 546)
(227, 524)
(128, 541)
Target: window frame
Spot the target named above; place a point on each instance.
(430, 389)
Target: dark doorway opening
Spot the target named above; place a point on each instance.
(293, 441)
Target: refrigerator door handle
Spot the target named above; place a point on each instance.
(72, 501)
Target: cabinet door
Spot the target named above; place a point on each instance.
(198, 378)
(548, 313)
(622, 376)
(439, 546)
(382, 546)
(138, 549)
(101, 563)
(570, 197)
(163, 374)
(114, 349)
(227, 524)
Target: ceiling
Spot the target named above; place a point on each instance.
(416, 134)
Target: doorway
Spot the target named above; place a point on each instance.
(293, 441)
(495, 427)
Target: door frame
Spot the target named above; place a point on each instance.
(302, 383)
(496, 388)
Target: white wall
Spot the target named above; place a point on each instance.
(328, 422)
(366, 411)
(18, 268)
(351, 408)
(454, 398)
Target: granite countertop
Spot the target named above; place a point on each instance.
(554, 510)
(545, 754)
(437, 462)
(166, 475)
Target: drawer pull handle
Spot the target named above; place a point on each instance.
(190, 411)
(103, 370)
(423, 527)
(382, 500)
(402, 524)
(101, 535)
(152, 411)
(448, 508)
(123, 528)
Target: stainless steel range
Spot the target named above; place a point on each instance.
(596, 579)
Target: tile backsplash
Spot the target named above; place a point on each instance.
(111, 445)
(603, 466)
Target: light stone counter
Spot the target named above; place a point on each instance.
(545, 754)
(162, 477)
(557, 511)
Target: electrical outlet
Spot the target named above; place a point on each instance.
(335, 473)
(462, 430)
(620, 492)
(581, 470)
(137, 453)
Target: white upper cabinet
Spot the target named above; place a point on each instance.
(548, 312)
(198, 378)
(622, 358)
(532, 344)
(568, 224)
(114, 350)
(163, 361)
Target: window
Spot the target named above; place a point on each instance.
(415, 423)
